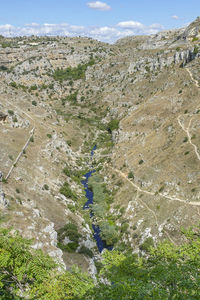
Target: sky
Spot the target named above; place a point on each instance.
(103, 20)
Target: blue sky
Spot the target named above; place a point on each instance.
(104, 20)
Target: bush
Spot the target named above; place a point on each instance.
(46, 187)
(130, 174)
(66, 171)
(196, 50)
(71, 98)
(70, 231)
(67, 192)
(86, 251)
(146, 246)
(34, 103)
(70, 247)
(72, 73)
(10, 112)
(113, 125)
(3, 68)
(108, 233)
(13, 84)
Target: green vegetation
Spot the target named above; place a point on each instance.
(113, 125)
(26, 273)
(72, 73)
(70, 231)
(10, 112)
(168, 272)
(67, 192)
(34, 103)
(196, 50)
(3, 68)
(130, 175)
(13, 84)
(101, 203)
(146, 246)
(71, 98)
(45, 187)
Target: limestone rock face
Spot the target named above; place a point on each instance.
(3, 201)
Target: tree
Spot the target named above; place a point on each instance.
(113, 125)
(26, 273)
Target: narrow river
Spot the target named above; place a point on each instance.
(89, 194)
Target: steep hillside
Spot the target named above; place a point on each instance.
(138, 102)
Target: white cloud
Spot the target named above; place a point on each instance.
(106, 33)
(130, 25)
(175, 17)
(99, 5)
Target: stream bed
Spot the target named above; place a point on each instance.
(89, 194)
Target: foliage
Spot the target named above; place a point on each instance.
(108, 233)
(196, 50)
(69, 285)
(3, 68)
(148, 243)
(101, 202)
(32, 274)
(72, 73)
(71, 98)
(19, 266)
(70, 231)
(169, 272)
(34, 103)
(86, 251)
(67, 192)
(13, 84)
(113, 125)
(130, 175)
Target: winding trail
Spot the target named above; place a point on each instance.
(189, 136)
(187, 130)
(191, 76)
(31, 134)
(170, 198)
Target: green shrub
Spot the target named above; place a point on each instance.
(72, 73)
(10, 112)
(67, 192)
(196, 50)
(66, 171)
(46, 187)
(70, 230)
(70, 247)
(3, 68)
(130, 174)
(13, 84)
(108, 233)
(86, 251)
(113, 125)
(34, 103)
(146, 246)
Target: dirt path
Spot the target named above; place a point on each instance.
(170, 198)
(189, 136)
(191, 76)
(31, 134)
(187, 130)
